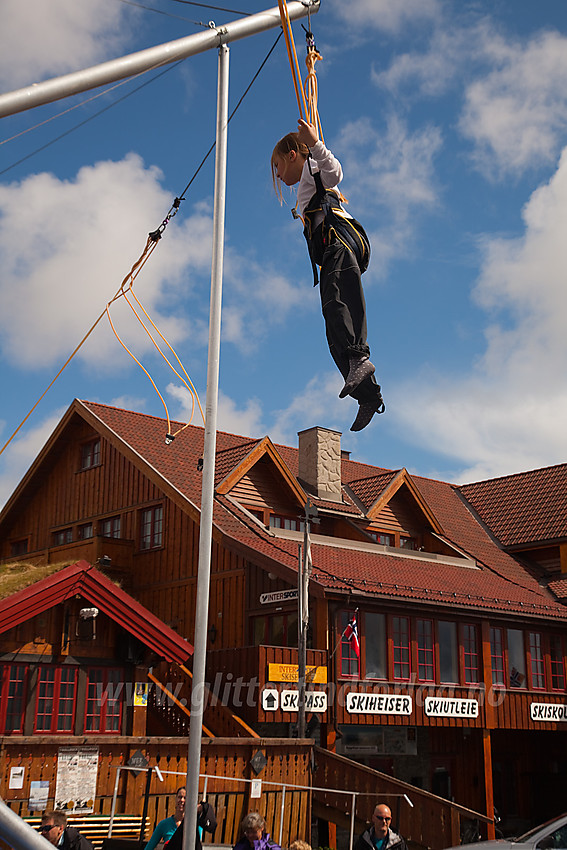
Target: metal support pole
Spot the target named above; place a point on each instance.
(114, 796)
(282, 810)
(207, 492)
(352, 817)
(145, 60)
(17, 833)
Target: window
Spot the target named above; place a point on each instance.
(60, 538)
(86, 531)
(103, 712)
(407, 542)
(448, 652)
(289, 523)
(470, 649)
(557, 663)
(349, 659)
(425, 665)
(90, 454)
(536, 661)
(18, 547)
(516, 659)
(375, 642)
(56, 691)
(497, 656)
(276, 629)
(400, 640)
(384, 539)
(110, 527)
(151, 536)
(13, 681)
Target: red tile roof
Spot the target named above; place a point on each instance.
(369, 489)
(528, 507)
(88, 582)
(500, 583)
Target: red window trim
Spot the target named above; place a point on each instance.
(554, 663)
(53, 730)
(538, 661)
(429, 650)
(347, 653)
(5, 680)
(102, 713)
(396, 646)
(463, 643)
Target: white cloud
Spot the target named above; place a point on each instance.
(391, 175)
(65, 247)
(515, 115)
(384, 14)
(21, 453)
(246, 420)
(42, 39)
(317, 403)
(509, 413)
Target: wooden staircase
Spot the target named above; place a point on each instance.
(171, 701)
(425, 820)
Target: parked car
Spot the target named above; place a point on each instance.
(549, 836)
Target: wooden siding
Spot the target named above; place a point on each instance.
(288, 763)
(400, 514)
(264, 486)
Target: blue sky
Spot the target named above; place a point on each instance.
(450, 120)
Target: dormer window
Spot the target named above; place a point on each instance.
(407, 542)
(90, 454)
(286, 522)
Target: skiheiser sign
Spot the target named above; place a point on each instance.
(278, 596)
(357, 703)
(449, 707)
(548, 711)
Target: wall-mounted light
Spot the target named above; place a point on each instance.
(86, 624)
(212, 633)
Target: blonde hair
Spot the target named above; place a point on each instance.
(298, 844)
(284, 146)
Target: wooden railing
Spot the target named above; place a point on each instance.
(171, 700)
(428, 822)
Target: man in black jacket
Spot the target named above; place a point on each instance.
(381, 836)
(54, 828)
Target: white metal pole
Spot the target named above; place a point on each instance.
(114, 797)
(144, 60)
(352, 817)
(16, 832)
(207, 492)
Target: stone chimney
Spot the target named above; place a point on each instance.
(320, 462)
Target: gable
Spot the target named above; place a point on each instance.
(262, 478)
(86, 581)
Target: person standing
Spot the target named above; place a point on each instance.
(254, 835)
(381, 836)
(54, 828)
(166, 827)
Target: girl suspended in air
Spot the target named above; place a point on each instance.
(339, 245)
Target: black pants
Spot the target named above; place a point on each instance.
(344, 308)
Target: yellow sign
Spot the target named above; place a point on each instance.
(290, 673)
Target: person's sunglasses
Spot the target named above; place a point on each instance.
(46, 827)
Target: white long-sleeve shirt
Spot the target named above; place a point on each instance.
(327, 164)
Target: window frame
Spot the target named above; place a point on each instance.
(56, 699)
(91, 454)
(538, 662)
(554, 662)
(66, 532)
(153, 543)
(7, 698)
(425, 651)
(465, 642)
(396, 647)
(85, 531)
(347, 656)
(102, 715)
(113, 520)
(501, 668)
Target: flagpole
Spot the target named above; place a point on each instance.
(311, 515)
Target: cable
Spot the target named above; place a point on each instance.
(167, 14)
(90, 118)
(150, 244)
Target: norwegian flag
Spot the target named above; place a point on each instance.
(351, 634)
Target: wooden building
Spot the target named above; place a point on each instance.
(460, 686)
